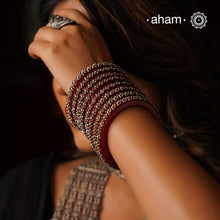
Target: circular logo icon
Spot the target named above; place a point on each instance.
(198, 20)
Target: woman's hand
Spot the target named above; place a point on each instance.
(71, 49)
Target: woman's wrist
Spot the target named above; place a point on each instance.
(96, 97)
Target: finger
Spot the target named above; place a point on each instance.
(37, 49)
(46, 34)
(72, 14)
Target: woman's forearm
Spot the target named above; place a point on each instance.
(166, 181)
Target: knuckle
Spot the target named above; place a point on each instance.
(58, 45)
(39, 32)
(60, 39)
(65, 40)
(54, 48)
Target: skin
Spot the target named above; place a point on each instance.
(147, 87)
(159, 175)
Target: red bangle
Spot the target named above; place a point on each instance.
(104, 137)
(96, 97)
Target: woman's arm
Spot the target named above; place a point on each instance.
(167, 182)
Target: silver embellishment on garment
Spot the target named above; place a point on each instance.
(84, 191)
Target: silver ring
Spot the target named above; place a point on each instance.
(57, 22)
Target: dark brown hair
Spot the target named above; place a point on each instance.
(170, 56)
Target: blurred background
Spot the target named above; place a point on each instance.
(31, 122)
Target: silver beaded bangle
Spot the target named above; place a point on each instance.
(95, 98)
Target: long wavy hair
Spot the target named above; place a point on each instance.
(171, 57)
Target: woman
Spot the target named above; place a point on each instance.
(158, 177)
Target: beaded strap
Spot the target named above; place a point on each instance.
(97, 95)
(84, 191)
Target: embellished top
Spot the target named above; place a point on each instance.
(83, 192)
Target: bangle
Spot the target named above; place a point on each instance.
(97, 95)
